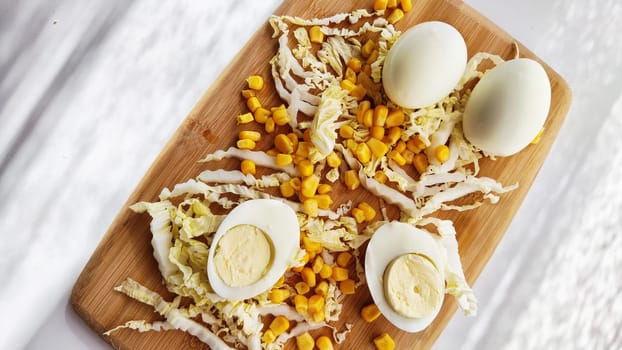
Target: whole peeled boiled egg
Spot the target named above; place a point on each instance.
(424, 64)
(252, 248)
(405, 275)
(507, 107)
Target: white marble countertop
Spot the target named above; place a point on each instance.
(91, 91)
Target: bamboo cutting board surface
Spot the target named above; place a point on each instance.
(125, 251)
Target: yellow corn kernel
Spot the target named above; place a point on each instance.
(248, 167)
(249, 135)
(370, 312)
(347, 85)
(317, 264)
(363, 153)
(397, 157)
(363, 107)
(278, 295)
(538, 137)
(346, 131)
(309, 186)
(304, 341)
(255, 82)
(373, 56)
(303, 149)
(340, 274)
(294, 138)
(306, 136)
(368, 118)
(318, 317)
(301, 288)
(351, 145)
(350, 75)
(253, 103)
(370, 212)
(316, 35)
(246, 144)
(324, 188)
(400, 147)
(358, 215)
(391, 4)
(324, 343)
(245, 118)
(380, 176)
(343, 259)
(283, 144)
(301, 303)
(377, 147)
(367, 70)
(380, 5)
(408, 156)
(311, 246)
(417, 144)
(281, 116)
(441, 153)
(316, 302)
(395, 118)
(324, 201)
(351, 180)
(406, 5)
(326, 271)
(269, 127)
(272, 152)
(279, 325)
(248, 93)
(283, 159)
(268, 336)
(280, 281)
(354, 64)
(395, 16)
(261, 115)
(380, 115)
(308, 276)
(367, 48)
(295, 183)
(310, 207)
(322, 288)
(305, 168)
(393, 135)
(347, 287)
(358, 92)
(384, 342)
(420, 161)
(376, 132)
(333, 160)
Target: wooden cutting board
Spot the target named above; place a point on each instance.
(125, 251)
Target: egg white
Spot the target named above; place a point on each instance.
(508, 107)
(389, 242)
(424, 64)
(280, 225)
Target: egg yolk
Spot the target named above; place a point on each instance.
(243, 255)
(413, 286)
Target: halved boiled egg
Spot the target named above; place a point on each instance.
(252, 248)
(404, 271)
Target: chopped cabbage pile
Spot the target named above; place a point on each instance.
(308, 79)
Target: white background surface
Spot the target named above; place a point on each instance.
(90, 93)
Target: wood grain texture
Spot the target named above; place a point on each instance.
(125, 251)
